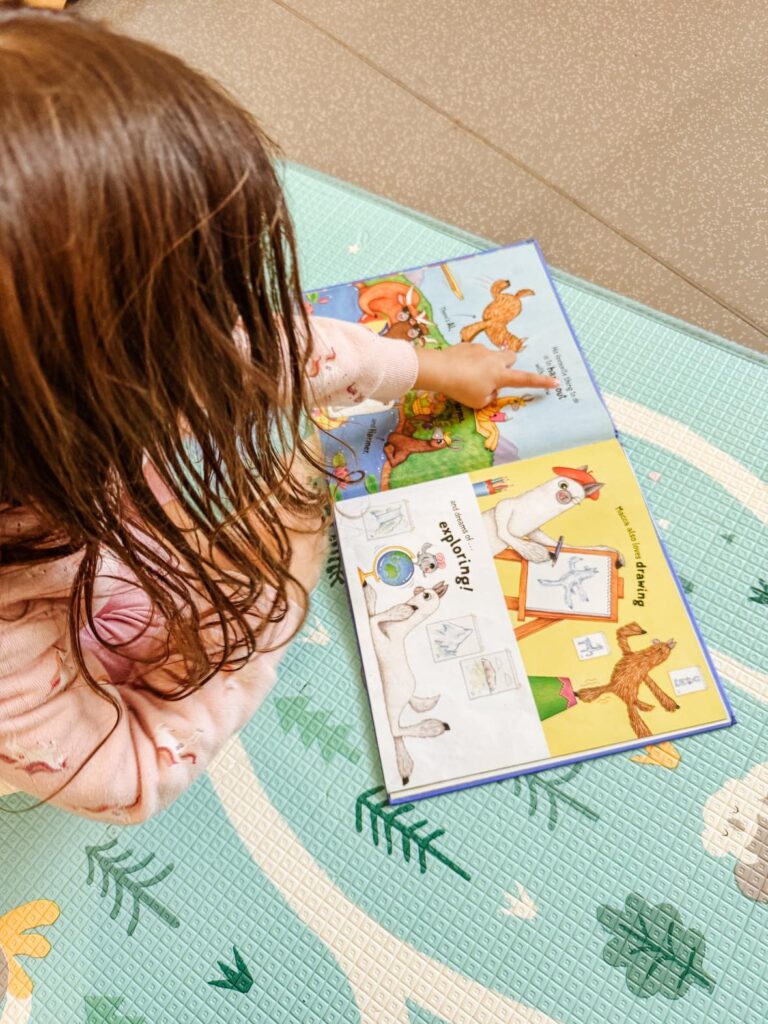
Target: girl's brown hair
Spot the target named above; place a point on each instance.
(141, 218)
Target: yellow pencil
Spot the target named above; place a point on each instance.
(451, 281)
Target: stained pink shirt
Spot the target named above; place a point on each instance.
(51, 720)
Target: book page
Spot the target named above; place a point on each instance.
(608, 617)
(503, 300)
(518, 620)
(441, 661)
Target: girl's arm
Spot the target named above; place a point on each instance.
(350, 363)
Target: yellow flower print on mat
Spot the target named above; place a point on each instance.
(14, 941)
(665, 755)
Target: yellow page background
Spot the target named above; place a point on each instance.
(551, 652)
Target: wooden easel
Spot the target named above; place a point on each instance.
(544, 619)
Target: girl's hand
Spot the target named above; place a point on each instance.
(472, 374)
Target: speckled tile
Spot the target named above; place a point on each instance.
(629, 139)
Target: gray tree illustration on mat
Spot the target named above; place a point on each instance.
(123, 878)
(547, 790)
(659, 955)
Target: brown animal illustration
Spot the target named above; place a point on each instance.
(401, 444)
(497, 315)
(413, 329)
(630, 672)
(389, 300)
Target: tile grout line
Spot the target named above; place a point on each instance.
(745, 318)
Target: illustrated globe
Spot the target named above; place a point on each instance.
(394, 567)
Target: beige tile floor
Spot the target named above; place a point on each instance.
(630, 139)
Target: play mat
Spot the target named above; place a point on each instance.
(281, 888)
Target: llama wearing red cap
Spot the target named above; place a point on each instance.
(516, 522)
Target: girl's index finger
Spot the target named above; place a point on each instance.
(521, 379)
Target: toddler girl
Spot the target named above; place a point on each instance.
(159, 524)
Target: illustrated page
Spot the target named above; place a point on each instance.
(520, 617)
(502, 299)
(445, 678)
(611, 653)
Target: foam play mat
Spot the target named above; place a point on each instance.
(282, 888)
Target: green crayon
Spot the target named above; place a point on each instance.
(552, 694)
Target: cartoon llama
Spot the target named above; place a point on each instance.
(389, 631)
(516, 522)
(630, 672)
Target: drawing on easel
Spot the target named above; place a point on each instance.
(488, 674)
(556, 581)
(453, 638)
(578, 585)
(387, 521)
(584, 584)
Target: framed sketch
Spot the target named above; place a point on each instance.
(582, 584)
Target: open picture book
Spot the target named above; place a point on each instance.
(514, 605)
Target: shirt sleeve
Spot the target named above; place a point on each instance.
(350, 363)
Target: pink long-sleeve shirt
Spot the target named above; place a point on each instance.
(51, 720)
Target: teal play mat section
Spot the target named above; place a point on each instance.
(281, 888)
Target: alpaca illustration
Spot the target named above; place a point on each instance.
(630, 672)
(389, 631)
(572, 582)
(516, 522)
(496, 315)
